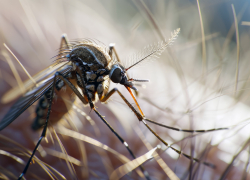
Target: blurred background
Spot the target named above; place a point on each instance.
(200, 82)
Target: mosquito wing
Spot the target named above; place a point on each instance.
(29, 84)
(29, 98)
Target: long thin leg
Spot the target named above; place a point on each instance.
(43, 132)
(109, 126)
(184, 130)
(66, 81)
(79, 95)
(123, 142)
(142, 118)
(64, 43)
(112, 51)
(63, 49)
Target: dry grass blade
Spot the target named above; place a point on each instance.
(145, 11)
(63, 156)
(129, 166)
(69, 163)
(245, 23)
(94, 142)
(14, 71)
(226, 172)
(20, 64)
(204, 56)
(238, 51)
(156, 156)
(5, 153)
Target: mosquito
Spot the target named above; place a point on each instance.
(86, 69)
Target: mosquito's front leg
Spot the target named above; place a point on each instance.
(66, 81)
(141, 117)
(112, 51)
(110, 93)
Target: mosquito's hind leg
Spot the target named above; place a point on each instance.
(44, 129)
(50, 99)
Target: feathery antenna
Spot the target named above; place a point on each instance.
(155, 51)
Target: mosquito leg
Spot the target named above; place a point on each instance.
(112, 51)
(64, 42)
(109, 126)
(79, 71)
(73, 88)
(184, 130)
(142, 118)
(178, 129)
(66, 81)
(43, 132)
(110, 93)
(63, 49)
(123, 142)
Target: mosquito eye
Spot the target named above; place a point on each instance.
(115, 74)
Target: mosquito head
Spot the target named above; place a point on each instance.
(117, 74)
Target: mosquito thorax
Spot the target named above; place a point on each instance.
(88, 55)
(92, 61)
